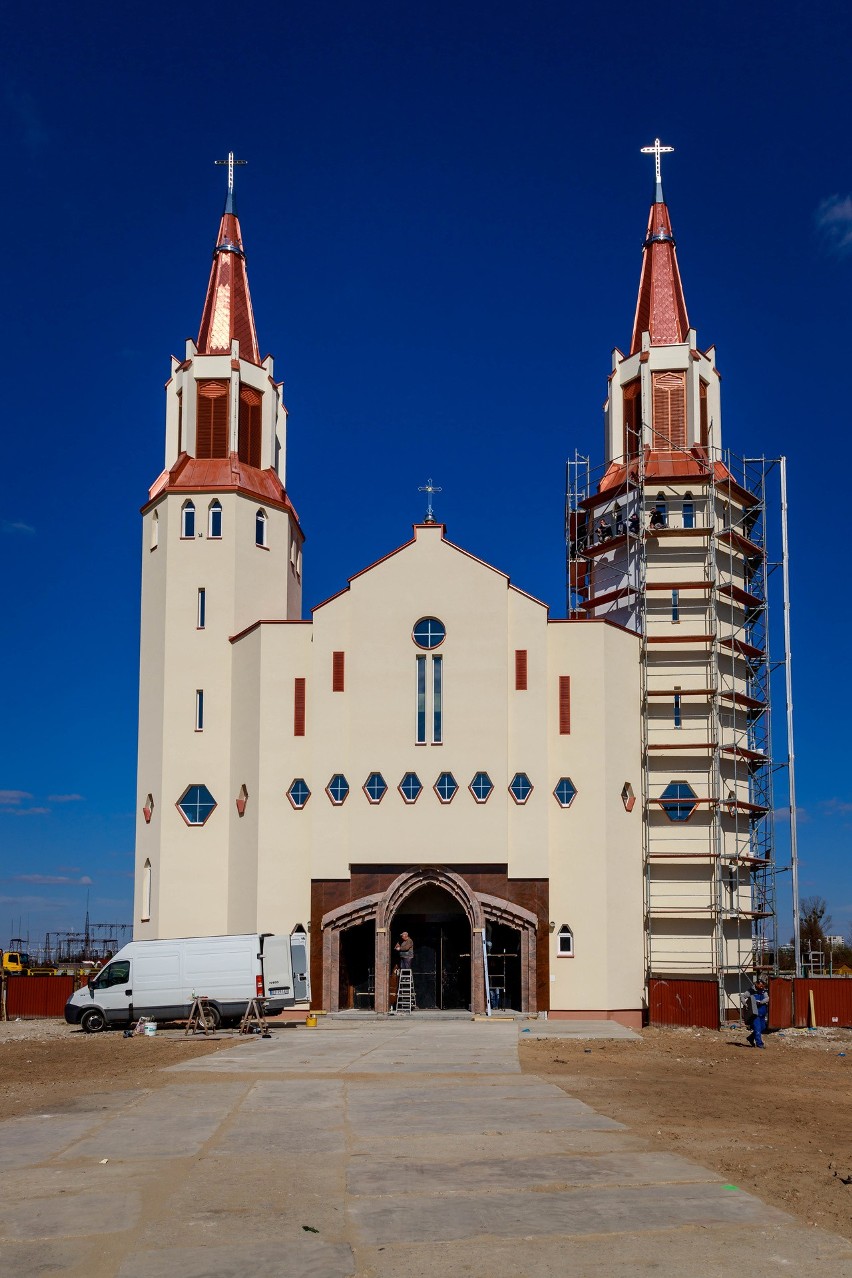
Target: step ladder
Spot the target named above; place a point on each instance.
(405, 999)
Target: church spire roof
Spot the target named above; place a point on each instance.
(660, 306)
(227, 307)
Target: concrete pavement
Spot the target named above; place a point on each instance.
(408, 1149)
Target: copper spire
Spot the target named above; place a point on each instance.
(227, 308)
(660, 307)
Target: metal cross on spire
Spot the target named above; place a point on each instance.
(230, 163)
(429, 488)
(656, 150)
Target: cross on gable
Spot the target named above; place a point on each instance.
(429, 488)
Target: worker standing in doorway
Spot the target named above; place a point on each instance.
(405, 949)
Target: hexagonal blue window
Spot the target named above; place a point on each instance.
(337, 789)
(677, 798)
(196, 803)
(375, 787)
(565, 792)
(481, 787)
(429, 632)
(410, 787)
(298, 794)
(520, 787)
(446, 787)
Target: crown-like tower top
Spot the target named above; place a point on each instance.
(227, 310)
(660, 306)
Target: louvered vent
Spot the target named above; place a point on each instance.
(211, 425)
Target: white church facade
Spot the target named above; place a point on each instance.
(430, 751)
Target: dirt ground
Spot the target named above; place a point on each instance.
(46, 1064)
(777, 1122)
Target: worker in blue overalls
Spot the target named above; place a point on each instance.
(758, 1006)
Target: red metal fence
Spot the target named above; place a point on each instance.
(683, 1003)
(780, 1003)
(832, 1000)
(32, 996)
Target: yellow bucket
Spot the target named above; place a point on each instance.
(311, 1020)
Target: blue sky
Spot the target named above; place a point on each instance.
(443, 211)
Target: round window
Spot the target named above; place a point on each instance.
(429, 632)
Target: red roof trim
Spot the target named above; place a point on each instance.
(269, 621)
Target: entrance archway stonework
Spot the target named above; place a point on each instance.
(381, 908)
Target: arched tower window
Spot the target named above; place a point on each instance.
(703, 416)
(251, 403)
(260, 528)
(214, 520)
(187, 519)
(669, 409)
(155, 530)
(211, 422)
(632, 418)
(688, 511)
(146, 892)
(660, 513)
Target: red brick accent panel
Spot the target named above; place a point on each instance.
(298, 707)
(520, 669)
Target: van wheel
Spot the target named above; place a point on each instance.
(214, 1016)
(93, 1021)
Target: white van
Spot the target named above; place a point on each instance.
(161, 979)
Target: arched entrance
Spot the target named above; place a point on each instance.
(450, 924)
(441, 931)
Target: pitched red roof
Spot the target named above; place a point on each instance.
(662, 464)
(223, 474)
(660, 306)
(227, 307)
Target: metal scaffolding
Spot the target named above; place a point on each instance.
(688, 558)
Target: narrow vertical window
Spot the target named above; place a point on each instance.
(421, 700)
(688, 511)
(520, 669)
(260, 528)
(180, 423)
(677, 714)
(211, 422)
(146, 892)
(214, 521)
(248, 443)
(201, 620)
(298, 707)
(437, 700)
(564, 705)
(187, 519)
(675, 605)
(632, 418)
(199, 710)
(338, 667)
(703, 416)
(155, 530)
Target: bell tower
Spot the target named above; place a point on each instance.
(221, 549)
(668, 538)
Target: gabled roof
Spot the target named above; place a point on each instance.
(227, 310)
(413, 541)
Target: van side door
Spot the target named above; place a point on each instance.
(112, 991)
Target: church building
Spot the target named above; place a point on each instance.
(558, 811)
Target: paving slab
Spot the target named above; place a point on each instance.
(585, 1211)
(302, 1257)
(368, 1175)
